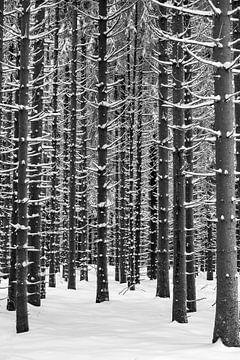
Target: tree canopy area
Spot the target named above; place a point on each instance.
(119, 149)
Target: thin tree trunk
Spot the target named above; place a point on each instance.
(72, 172)
(53, 234)
(65, 173)
(122, 171)
(131, 277)
(22, 226)
(190, 255)
(179, 311)
(236, 38)
(209, 247)
(138, 199)
(36, 159)
(117, 188)
(163, 289)
(153, 211)
(11, 302)
(102, 276)
(226, 318)
(84, 175)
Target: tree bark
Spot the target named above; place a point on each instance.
(11, 302)
(84, 174)
(190, 255)
(72, 170)
(163, 289)
(53, 234)
(226, 318)
(36, 160)
(153, 211)
(22, 226)
(102, 275)
(236, 38)
(138, 198)
(179, 311)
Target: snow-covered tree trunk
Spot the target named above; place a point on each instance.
(236, 38)
(190, 255)
(36, 159)
(11, 302)
(138, 196)
(22, 226)
(209, 247)
(72, 159)
(179, 310)
(102, 275)
(226, 318)
(54, 180)
(122, 171)
(163, 289)
(153, 211)
(84, 174)
(66, 111)
(117, 163)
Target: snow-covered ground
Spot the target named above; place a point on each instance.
(133, 325)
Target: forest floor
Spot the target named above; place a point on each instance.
(133, 325)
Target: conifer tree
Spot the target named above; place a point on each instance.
(226, 318)
(22, 226)
(102, 275)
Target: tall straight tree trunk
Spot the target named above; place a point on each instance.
(36, 159)
(122, 171)
(53, 235)
(102, 275)
(236, 38)
(179, 311)
(163, 289)
(226, 318)
(66, 112)
(84, 175)
(117, 188)
(1, 56)
(138, 198)
(209, 247)
(153, 210)
(72, 172)
(22, 226)
(4, 179)
(11, 302)
(190, 255)
(131, 276)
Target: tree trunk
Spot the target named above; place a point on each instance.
(36, 159)
(236, 38)
(163, 289)
(84, 175)
(226, 317)
(22, 226)
(102, 276)
(53, 234)
(117, 188)
(190, 255)
(11, 302)
(179, 311)
(72, 171)
(153, 211)
(209, 247)
(138, 198)
(65, 205)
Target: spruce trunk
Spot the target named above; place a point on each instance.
(226, 317)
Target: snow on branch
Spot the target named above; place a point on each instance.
(185, 10)
(189, 41)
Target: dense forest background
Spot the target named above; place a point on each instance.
(119, 126)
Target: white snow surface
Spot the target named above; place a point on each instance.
(133, 325)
